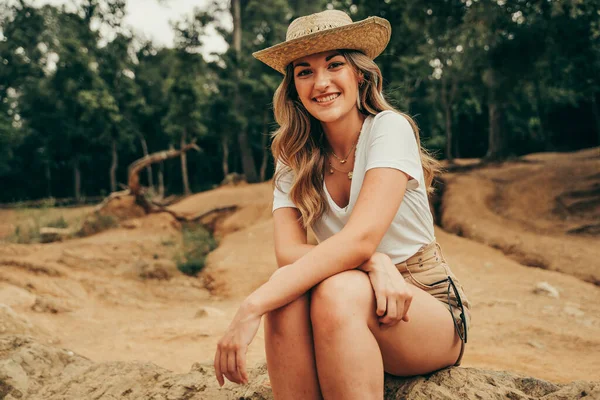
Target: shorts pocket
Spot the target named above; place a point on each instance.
(430, 277)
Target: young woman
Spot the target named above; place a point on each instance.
(375, 294)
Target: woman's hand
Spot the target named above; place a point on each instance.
(230, 358)
(392, 294)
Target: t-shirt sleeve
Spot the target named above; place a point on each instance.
(282, 188)
(393, 145)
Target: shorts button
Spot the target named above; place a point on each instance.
(420, 259)
(421, 265)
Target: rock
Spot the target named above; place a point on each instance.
(547, 289)
(536, 344)
(12, 323)
(131, 224)
(52, 305)
(35, 371)
(208, 312)
(49, 234)
(160, 269)
(26, 366)
(15, 297)
(574, 312)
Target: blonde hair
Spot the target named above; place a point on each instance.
(298, 143)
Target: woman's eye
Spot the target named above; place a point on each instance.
(335, 64)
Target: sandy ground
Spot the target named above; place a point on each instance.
(88, 295)
(542, 210)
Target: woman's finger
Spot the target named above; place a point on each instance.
(218, 371)
(407, 303)
(241, 364)
(232, 367)
(399, 310)
(381, 304)
(391, 312)
(224, 364)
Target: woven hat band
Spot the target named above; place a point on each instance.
(317, 22)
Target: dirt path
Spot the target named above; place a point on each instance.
(542, 210)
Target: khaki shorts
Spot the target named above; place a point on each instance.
(428, 270)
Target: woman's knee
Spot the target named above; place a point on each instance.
(339, 297)
(291, 318)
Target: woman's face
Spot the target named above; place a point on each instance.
(326, 84)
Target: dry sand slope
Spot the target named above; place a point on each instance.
(88, 295)
(542, 210)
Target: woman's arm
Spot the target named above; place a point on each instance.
(376, 206)
(290, 236)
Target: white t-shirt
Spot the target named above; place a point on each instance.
(386, 140)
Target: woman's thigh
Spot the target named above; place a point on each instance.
(427, 342)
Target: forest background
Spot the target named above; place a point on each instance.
(490, 79)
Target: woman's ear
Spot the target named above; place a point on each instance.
(361, 79)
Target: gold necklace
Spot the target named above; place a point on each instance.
(332, 168)
(343, 160)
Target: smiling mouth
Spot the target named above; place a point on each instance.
(327, 99)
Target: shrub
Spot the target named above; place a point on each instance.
(197, 243)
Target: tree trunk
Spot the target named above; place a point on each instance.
(248, 165)
(447, 121)
(136, 167)
(48, 180)
(184, 173)
(494, 140)
(77, 180)
(456, 145)
(495, 149)
(113, 167)
(247, 158)
(225, 147)
(237, 27)
(264, 143)
(161, 180)
(149, 167)
(449, 138)
(596, 113)
(541, 114)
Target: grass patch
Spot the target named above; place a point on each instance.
(30, 220)
(197, 243)
(96, 223)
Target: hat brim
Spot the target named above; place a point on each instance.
(369, 36)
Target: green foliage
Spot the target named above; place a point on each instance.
(96, 223)
(31, 220)
(497, 77)
(60, 222)
(197, 243)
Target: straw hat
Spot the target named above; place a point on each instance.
(324, 31)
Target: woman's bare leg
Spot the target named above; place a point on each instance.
(349, 343)
(290, 352)
(349, 361)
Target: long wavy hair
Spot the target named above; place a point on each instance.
(298, 143)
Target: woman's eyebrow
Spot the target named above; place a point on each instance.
(305, 64)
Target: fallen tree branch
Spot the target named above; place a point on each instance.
(196, 217)
(138, 191)
(135, 167)
(113, 195)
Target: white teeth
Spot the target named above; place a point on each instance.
(328, 98)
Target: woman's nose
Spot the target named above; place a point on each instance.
(321, 80)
